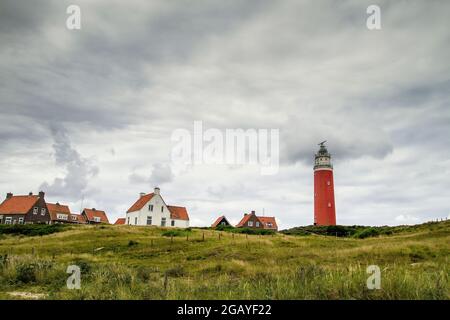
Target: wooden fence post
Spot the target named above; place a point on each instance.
(203, 238)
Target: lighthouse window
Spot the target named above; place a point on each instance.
(328, 183)
(329, 204)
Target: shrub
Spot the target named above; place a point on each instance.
(253, 231)
(175, 233)
(367, 232)
(31, 229)
(132, 243)
(26, 273)
(177, 271)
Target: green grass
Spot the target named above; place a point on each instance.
(125, 262)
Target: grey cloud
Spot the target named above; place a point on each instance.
(140, 69)
(79, 170)
(161, 174)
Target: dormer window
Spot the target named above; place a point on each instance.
(97, 219)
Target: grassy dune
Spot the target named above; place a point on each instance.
(122, 262)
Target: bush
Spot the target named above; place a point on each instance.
(253, 231)
(26, 273)
(31, 229)
(176, 272)
(132, 243)
(176, 233)
(224, 228)
(367, 232)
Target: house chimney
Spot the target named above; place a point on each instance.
(9, 195)
(156, 191)
(141, 194)
(41, 194)
(253, 211)
(93, 209)
(30, 194)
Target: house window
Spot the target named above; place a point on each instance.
(35, 210)
(163, 222)
(61, 216)
(257, 224)
(162, 209)
(269, 224)
(135, 221)
(250, 223)
(150, 207)
(43, 211)
(97, 219)
(20, 220)
(8, 220)
(172, 223)
(149, 221)
(128, 220)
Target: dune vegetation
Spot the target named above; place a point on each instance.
(125, 262)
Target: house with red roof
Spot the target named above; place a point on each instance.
(94, 216)
(221, 221)
(60, 213)
(24, 209)
(251, 220)
(151, 210)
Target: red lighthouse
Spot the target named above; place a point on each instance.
(324, 210)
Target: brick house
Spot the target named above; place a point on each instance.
(60, 213)
(24, 209)
(251, 220)
(94, 216)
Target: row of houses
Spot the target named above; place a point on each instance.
(151, 209)
(27, 209)
(148, 210)
(250, 220)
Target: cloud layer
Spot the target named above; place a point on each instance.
(90, 113)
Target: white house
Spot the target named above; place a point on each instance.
(151, 209)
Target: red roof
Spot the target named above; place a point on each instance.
(218, 220)
(178, 213)
(141, 202)
(92, 213)
(18, 204)
(265, 221)
(120, 221)
(55, 208)
(269, 220)
(245, 219)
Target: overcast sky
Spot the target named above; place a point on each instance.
(89, 113)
